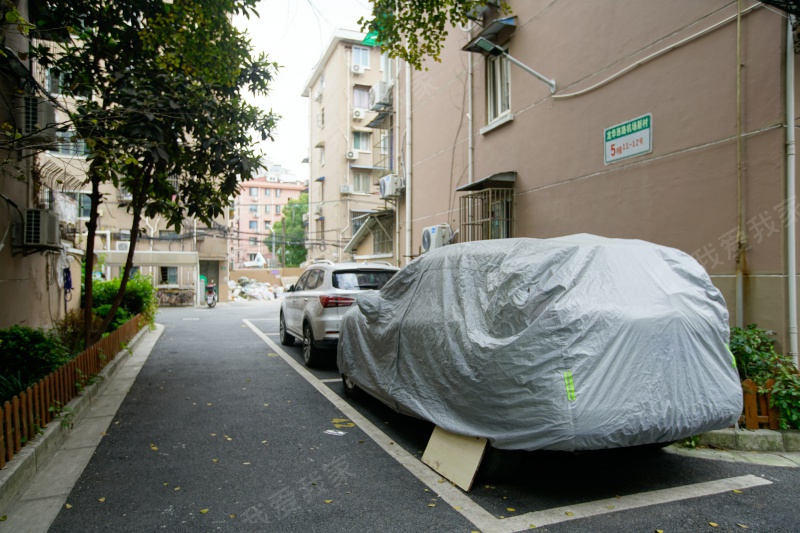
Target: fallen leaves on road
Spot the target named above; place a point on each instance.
(511, 510)
(68, 506)
(457, 507)
(203, 511)
(3, 518)
(737, 491)
(713, 524)
(214, 460)
(743, 526)
(154, 447)
(177, 488)
(569, 513)
(101, 500)
(232, 515)
(328, 501)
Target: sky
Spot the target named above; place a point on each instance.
(295, 34)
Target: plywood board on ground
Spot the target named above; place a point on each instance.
(455, 457)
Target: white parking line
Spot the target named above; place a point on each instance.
(479, 516)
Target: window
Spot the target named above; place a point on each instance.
(487, 214)
(169, 275)
(266, 224)
(53, 81)
(357, 219)
(315, 279)
(360, 97)
(498, 87)
(254, 192)
(253, 224)
(277, 193)
(322, 156)
(277, 209)
(361, 56)
(252, 257)
(266, 193)
(321, 118)
(254, 209)
(252, 241)
(361, 182)
(267, 209)
(386, 140)
(361, 141)
(382, 235)
(167, 234)
(84, 203)
(68, 143)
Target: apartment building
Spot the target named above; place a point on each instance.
(648, 120)
(262, 202)
(352, 146)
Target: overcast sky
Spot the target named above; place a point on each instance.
(295, 33)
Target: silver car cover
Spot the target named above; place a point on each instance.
(572, 343)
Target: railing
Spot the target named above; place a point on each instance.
(757, 412)
(22, 418)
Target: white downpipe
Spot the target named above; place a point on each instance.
(471, 148)
(791, 245)
(408, 163)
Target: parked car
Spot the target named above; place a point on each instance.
(311, 309)
(574, 343)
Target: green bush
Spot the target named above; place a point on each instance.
(140, 296)
(26, 356)
(120, 317)
(756, 358)
(71, 332)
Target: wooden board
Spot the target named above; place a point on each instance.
(455, 457)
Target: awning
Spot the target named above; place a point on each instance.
(501, 180)
(321, 178)
(365, 229)
(367, 167)
(379, 120)
(497, 32)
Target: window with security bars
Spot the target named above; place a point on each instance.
(487, 214)
(382, 242)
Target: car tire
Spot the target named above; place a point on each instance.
(311, 354)
(287, 339)
(351, 390)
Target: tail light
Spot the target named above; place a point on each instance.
(335, 301)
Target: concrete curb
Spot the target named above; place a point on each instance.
(17, 474)
(752, 440)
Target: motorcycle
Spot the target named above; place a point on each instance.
(211, 295)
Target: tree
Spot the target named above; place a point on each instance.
(414, 30)
(166, 117)
(290, 232)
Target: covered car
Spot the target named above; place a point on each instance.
(572, 343)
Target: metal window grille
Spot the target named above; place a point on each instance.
(382, 242)
(487, 214)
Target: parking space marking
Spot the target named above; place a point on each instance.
(473, 512)
(634, 501)
(480, 517)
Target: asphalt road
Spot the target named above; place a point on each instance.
(223, 430)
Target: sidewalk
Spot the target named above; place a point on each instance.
(760, 446)
(34, 485)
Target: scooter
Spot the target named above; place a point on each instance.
(211, 295)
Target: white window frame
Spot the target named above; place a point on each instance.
(361, 182)
(358, 58)
(253, 192)
(363, 135)
(498, 88)
(360, 97)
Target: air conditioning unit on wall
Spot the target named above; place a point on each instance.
(435, 237)
(351, 155)
(123, 246)
(359, 114)
(347, 188)
(391, 185)
(41, 228)
(357, 69)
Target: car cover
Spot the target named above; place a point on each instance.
(572, 343)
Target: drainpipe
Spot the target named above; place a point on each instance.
(471, 147)
(408, 163)
(791, 243)
(741, 237)
(395, 163)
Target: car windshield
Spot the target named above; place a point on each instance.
(361, 279)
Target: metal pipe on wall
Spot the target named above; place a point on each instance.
(741, 237)
(408, 163)
(791, 243)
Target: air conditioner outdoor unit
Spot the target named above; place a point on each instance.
(318, 210)
(257, 214)
(391, 185)
(272, 179)
(123, 246)
(379, 96)
(435, 237)
(124, 234)
(41, 228)
(346, 188)
(357, 69)
(351, 155)
(358, 114)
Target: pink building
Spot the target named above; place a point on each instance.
(260, 203)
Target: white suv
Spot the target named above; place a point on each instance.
(312, 308)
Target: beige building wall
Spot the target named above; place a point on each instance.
(337, 189)
(681, 194)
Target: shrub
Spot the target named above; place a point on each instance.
(70, 330)
(120, 316)
(756, 358)
(26, 356)
(139, 297)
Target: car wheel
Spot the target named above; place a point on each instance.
(311, 355)
(351, 390)
(287, 339)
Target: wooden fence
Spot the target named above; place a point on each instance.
(22, 418)
(757, 412)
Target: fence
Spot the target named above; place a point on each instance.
(22, 418)
(757, 412)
